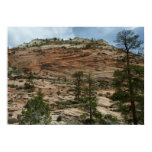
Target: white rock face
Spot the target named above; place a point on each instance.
(52, 43)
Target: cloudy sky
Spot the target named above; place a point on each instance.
(19, 35)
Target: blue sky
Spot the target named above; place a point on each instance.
(19, 35)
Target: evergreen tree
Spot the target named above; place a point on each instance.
(129, 82)
(90, 96)
(29, 84)
(90, 100)
(78, 83)
(36, 111)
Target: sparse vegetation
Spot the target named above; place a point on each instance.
(109, 119)
(36, 111)
(11, 85)
(12, 121)
(103, 84)
(10, 101)
(88, 46)
(29, 84)
(100, 94)
(58, 93)
(59, 118)
(76, 77)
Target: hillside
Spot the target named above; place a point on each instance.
(53, 62)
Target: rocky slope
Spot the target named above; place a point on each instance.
(54, 61)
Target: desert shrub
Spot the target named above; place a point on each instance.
(10, 114)
(51, 93)
(109, 119)
(86, 54)
(120, 50)
(36, 111)
(58, 93)
(46, 100)
(12, 121)
(65, 79)
(70, 90)
(73, 122)
(59, 118)
(68, 102)
(108, 94)
(9, 74)
(16, 71)
(19, 87)
(63, 47)
(103, 84)
(55, 39)
(65, 104)
(10, 101)
(29, 86)
(88, 46)
(11, 85)
(100, 94)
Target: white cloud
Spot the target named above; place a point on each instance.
(19, 35)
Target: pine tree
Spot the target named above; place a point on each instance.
(78, 83)
(129, 82)
(36, 111)
(90, 97)
(90, 100)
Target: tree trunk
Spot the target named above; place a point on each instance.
(133, 108)
(90, 100)
(90, 114)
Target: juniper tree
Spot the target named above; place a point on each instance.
(29, 84)
(36, 111)
(127, 81)
(78, 83)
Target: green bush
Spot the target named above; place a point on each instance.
(88, 46)
(10, 114)
(65, 79)
(70, 90)
(11, 85)
(29, 86)
(103, 84)
(63, 47)
(19, 88)
(10, 101)
(108, 94)
(12, 121)
(59, 118)
(58, 93)
(100, 94)
(36, 111)
(16, 71)
(109, 119)
(29, 83)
